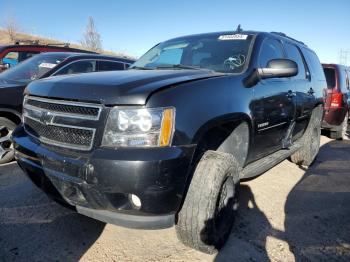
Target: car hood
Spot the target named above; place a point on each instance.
(5, 83)
(131, 87)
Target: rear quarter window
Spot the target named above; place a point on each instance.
(330, 77)
(314, 64)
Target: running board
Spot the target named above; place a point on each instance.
(262, 165)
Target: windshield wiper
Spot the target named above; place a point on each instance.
(179, 66)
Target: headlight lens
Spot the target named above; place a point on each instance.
(139, 127)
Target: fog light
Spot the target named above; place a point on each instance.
(135, 200)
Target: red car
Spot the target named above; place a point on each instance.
(11, 55)
(336, 114)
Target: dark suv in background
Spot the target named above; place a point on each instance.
(11, 55)
(14, 80)
(168, 141)
(336, 114)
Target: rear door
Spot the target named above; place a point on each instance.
(305, 98)
(274, 104)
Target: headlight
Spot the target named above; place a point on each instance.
(139, 127)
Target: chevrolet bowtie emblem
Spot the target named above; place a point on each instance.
(46, 118)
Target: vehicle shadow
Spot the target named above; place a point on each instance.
(317, 214)
(317, 223)
(248, 237)
(33, 228)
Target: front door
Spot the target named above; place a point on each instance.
(273, 106)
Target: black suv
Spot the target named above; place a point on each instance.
(168, 141)
(14, 80)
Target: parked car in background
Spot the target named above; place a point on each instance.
(337, 106)
(11, 55)
(14, 80)
(168, 141)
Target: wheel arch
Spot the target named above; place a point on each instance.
(207, 139)
(10, 114)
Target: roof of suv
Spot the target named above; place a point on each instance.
(2, 47)
(88, 55)
(250, 32)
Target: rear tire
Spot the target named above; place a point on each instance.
(6, 149)
(310, 140)
(342, 129)
(206, 218)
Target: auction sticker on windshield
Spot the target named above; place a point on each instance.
(233, 37)
(47, 65)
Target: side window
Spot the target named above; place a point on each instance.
(314, 64)
(293, 53)
(83, 66)
(11, 58)
(270, 49)
(110, 66)
(347, 72)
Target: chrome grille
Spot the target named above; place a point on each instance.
(61, 123)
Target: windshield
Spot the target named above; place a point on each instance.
(226, 53)
(33, 68)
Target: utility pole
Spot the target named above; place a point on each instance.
(343, 58)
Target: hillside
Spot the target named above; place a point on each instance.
(4, 39)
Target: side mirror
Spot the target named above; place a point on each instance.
(276, 68)
(4, 67)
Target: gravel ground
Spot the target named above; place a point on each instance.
(288, 214)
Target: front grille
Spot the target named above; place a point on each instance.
(61, 134)
(64, 107)
(47, 120)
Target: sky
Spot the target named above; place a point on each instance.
(134, 26)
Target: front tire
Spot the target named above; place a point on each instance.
(310, 140)
(206, 218)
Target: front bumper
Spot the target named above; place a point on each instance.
(101, 182)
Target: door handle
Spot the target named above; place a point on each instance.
(311, 91)
(290, 94)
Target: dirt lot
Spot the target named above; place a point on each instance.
(288, 214)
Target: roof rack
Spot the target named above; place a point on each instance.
(37, 42)
(284, 35)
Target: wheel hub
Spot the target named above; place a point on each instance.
(5, 141)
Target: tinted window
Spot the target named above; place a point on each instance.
(293, 53)
(314, 64)
(83, 66)
(110, 66)
(347, 80)
(330, 77)
(25, 55)
(270, 49)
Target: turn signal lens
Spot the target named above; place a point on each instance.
(167, 127)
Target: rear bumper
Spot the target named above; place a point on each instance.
(333, 117)
(99, 184)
